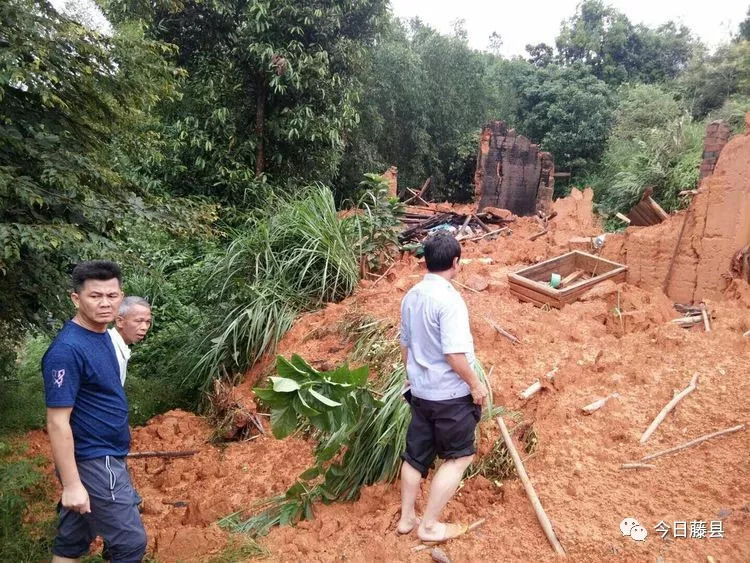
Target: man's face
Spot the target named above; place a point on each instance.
(98, 301)
(134, 325)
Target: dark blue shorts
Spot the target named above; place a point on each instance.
(443, 429)
(114, 514)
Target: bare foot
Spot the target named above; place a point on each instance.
(406, 525)
(440, 532)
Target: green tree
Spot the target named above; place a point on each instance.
(425, 92)
(616, 51)
(743, 33)
(270, 93)
(654, 143)
(67, 93)
(567, 110)
(711, 79)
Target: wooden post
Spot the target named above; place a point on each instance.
(529, 488)
(706, 321)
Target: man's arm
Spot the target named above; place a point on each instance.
(74, 496)
(460, 364)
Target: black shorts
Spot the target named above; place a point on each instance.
(440, 428)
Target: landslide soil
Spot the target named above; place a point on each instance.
(575, 469)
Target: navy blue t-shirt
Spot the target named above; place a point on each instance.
(80, 370)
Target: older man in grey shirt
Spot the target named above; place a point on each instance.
(445, 394)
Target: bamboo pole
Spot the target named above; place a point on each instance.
(540, 514)
(693, 442)
(668, 407)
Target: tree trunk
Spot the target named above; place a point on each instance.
(261, 88)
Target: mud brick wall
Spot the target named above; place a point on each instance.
(717, 135)
(511, 172)
(391, 176)
(546, 183)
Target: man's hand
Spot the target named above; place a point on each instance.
(479, 393)
(76, 498)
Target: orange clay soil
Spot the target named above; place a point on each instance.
(576, 467)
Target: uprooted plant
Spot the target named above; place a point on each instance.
(359, 425)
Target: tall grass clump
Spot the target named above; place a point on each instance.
(294, 255)
(654, 143)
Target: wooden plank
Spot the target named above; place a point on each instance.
(638, 218)
(571, 277)
(530, 296)
(657, 209)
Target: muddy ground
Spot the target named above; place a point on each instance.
(576, 468)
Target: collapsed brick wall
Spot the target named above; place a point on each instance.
(717, 135)
(512, 173)
(717, 226)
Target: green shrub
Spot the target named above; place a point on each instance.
(22, 483)
(22, 391)
(654, 143)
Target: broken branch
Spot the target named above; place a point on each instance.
(529, 488)
(536, 236)
(184, 453)
(504, 332)
(704, 315)
(636, 465)
(694, 442)
(668, 407)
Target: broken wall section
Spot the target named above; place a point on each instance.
(716, 226)
(512, 173)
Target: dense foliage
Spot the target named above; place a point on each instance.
(184, 138)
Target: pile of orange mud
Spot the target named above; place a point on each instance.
(617, 339)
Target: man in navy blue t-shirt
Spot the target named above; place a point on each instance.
(87, 422)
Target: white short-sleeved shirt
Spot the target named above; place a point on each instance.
(435, 322)
(122, 351)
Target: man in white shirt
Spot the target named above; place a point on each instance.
(131, 325)
(445, 394)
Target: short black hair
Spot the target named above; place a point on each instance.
(439, 252)
(94, 270)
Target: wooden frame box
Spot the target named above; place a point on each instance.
(584, 270)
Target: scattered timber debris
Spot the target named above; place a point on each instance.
(465, 227)
(535, 387)
(419, 196)
(668, 407)
(647, 212)
(503, 332)
(693, 315)
(692, 443)
(599, 403)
